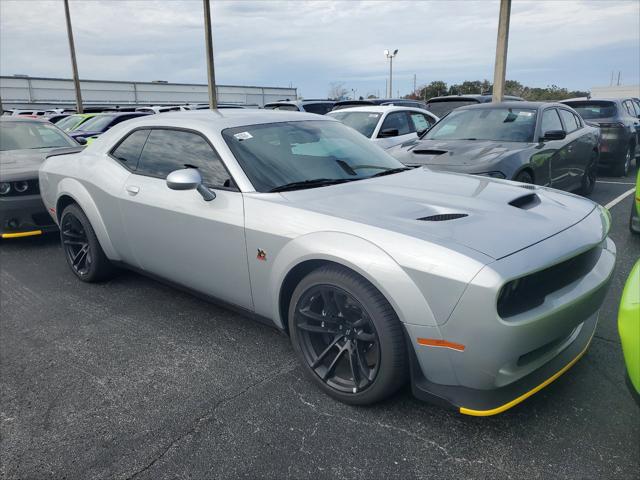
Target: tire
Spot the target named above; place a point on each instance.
(634, 220)
(524, 177)
(81, 247)
(589, 178)
(622, 169)
(347, 336)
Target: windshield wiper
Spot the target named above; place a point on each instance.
(391, 171)
(316, 182)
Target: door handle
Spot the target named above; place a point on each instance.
(132, 189)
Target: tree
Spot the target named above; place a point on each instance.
(434, 89)
(337, 90)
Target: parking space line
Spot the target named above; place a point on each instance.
(615, 183)
(619, 198)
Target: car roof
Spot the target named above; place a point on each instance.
(512, 104)
(9, 118)
(470, 96)
(379, 109)
(595, 99)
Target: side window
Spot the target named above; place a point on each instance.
(568, 120)
(550, 121)
(578, 121)
(168, 150)
(129, 150)
(397, 121)
(420, 121)
(630, 108)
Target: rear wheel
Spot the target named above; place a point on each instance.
(622, 169)
(634, 219)
(347, 336)
(524, 177)
(589, 177)
(82, 249)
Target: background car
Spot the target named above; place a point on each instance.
(619, 122)
(56, 117)
(100, 123)
(629, 329)
(163, 108)
(440, 106)
(24, 142)
(400, 102)
(386, 125)
(634, 220)
(72, 122)
(311, 106)
(530, 142)
(478, 290)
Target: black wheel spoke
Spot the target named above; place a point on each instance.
(315, 328)
(326, 351)
(365, 337)
(334, 364)
(362, 363)
(354, 365)
(76, 244)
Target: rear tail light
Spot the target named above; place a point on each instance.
(612, 125)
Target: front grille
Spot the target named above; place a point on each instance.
(529, 292)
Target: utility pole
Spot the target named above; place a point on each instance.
(390, 56)
(213, 96)
(619, 77)
(74, 64)
(499, 73)
(414, 85)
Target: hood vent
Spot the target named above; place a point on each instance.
(429, 152)
(528, 186)
(526, 202)
(443, 217)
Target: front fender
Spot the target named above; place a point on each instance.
(359, 255)
(74, 189)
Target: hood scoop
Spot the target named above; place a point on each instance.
(423, 151)
(526, 202)
(443, 217)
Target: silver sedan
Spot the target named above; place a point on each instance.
(480, 291)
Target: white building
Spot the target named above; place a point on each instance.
(616, 91)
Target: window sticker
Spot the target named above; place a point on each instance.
(243, 136)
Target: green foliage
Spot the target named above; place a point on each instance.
(512, 87)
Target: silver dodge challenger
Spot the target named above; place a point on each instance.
(479, 291)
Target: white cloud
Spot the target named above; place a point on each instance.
(308, 43)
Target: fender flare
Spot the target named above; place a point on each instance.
(74, 189)
(361, 256)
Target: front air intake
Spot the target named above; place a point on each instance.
(429, 152)
(526, 201)
(443, 217)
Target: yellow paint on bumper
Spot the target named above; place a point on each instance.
(22, 234)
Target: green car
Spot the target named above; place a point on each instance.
(74, 121)
(634, 221)
(629, 328)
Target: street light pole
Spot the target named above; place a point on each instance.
(499, 73)
(74, 65)
(390, 56)
(213, 97)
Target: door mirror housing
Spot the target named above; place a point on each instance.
(81, 140)
(389, 132)
(554, 135)
(189, 179)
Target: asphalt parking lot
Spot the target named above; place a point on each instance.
(133, 379)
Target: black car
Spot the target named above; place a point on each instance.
(24, 142)
(396, 102)
(101, 123)
(619, 121)
(530, 142)
(440, 106)
(319, 107)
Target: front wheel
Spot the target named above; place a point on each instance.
(347, 336)
(82, 249)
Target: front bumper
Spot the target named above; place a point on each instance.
(502, 360)
(23, 216)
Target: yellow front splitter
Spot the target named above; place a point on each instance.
(22, 234)
(524, 396)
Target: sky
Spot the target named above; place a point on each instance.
(310, 44)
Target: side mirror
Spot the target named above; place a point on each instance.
(554, 135)
(189, 179)
(81, 140)
(389, 132)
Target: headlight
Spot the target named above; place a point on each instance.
(21, 187)
(5, 188)
(606, 217)
(492, 174)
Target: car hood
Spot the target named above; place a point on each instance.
(22, 164)
(502, 217)
(455, 152)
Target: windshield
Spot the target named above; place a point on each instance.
(498, 124)
(319, 108)
(277, 154)
(96, 124)
(27, 135)
(71, 122)
(589, 110)
(440, 109)
(363, 122)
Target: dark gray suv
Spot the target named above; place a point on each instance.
(619, 121)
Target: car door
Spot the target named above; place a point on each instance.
(399, 121)
(178, 235)
(575, 150)
(554, 152)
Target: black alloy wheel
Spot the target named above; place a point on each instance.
(524, 177)
(76, 245)
(337, 338)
